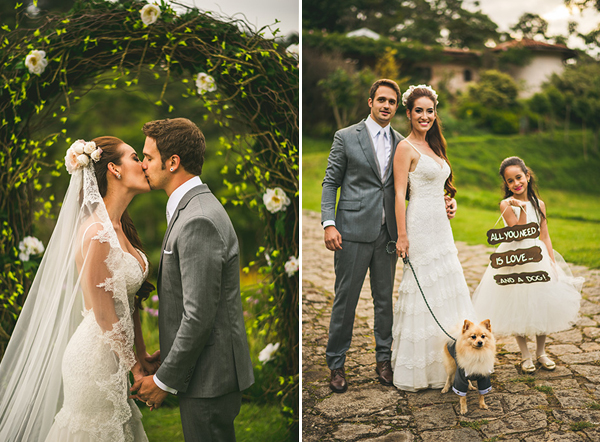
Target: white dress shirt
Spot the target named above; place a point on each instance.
(375, 131)
(172, 204)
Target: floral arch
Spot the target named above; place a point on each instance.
(224, 65)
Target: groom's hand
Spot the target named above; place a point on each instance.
(451, 206)
(333, 239)
(148, 392)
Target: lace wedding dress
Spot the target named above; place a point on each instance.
(418, 340)
(96, 363)
(63, 377)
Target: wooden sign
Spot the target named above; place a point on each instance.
(522, 278)
(516, 257)
(514, 233)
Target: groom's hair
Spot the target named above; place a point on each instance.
(385, 82)
(181, 137)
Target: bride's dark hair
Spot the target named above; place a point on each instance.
(112, 154)
(434, 136)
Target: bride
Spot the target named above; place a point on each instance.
(64, 376)
(421, 166)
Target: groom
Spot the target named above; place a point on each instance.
(203, 344)
(360, 166)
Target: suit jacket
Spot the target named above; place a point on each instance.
(203, 343)
(353, 168)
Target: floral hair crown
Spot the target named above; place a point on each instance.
(80, 153)
(411, 89)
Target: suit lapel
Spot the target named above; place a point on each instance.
(182, 204)
(364, 139)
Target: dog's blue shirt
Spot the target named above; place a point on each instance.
(461, 378)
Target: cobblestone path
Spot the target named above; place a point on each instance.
(559, 405)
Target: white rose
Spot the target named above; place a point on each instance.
(36, 62)
(96, 155)
(291, 266)
(71, 161)
(23, 257)
(78, 146)
(150, 14)
(276, 200)
(83, 160)
(293, 51)
(266, 354)
(32, 245)
(205, 83)
(89, 147)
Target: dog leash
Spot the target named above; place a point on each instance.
(407, 261)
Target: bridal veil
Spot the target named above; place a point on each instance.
(31, 391)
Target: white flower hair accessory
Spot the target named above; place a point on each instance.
(80, 153)
(411, 89)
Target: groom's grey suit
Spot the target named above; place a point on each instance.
(203, 343)
(364, 195)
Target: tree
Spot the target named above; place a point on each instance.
(495, 90)
(346, 93)
(530, 25)
(579, 88)
(417, 20)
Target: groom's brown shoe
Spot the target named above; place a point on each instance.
(384, 370)
(338, 382)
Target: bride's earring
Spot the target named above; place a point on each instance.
(118, 176)
(171, 169)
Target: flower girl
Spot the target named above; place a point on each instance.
(535, 305)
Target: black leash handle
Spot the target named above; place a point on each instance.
(407, 261)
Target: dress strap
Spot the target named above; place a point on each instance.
(83, 236)
(406, 139)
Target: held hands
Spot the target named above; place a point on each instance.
(333, 239)
(151, 363)
(146, 390)
(451, 206)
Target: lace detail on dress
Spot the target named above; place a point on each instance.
(96, 364)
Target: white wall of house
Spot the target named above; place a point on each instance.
(453, 75)
(538, 71)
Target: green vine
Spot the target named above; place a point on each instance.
(257, 89)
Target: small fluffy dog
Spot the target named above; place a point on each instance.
(474, 352)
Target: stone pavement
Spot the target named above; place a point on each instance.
(560, 405)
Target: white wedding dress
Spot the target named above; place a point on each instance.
(96, 364)
(65, 378)
(418, 340)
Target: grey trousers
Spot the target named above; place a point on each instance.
(351, 265)
(210, 419)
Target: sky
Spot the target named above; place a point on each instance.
(506, 13)
(257, 12)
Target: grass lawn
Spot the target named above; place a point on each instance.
(573, 217)
(263, 423)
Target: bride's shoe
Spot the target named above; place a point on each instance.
(546, 362)
(527, 366)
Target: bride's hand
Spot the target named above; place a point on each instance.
(402, 246)
(138, 372)
(149, 363)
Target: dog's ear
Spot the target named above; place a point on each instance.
(487, 325)
(466, 325)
